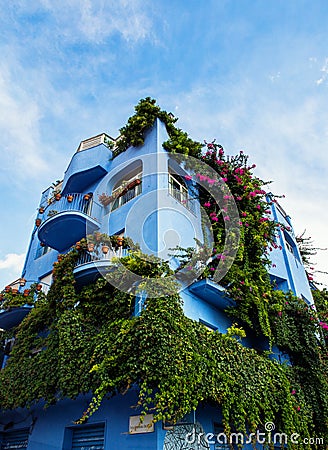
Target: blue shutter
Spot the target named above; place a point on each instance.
(89, 437)
(16, 439)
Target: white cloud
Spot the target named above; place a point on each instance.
(96, 20)
(13, 261)
(324, 71)
(19, 128)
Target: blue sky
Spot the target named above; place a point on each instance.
(252, 74)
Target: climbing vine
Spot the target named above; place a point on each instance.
(78, 340)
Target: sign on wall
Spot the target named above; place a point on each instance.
(141, 424)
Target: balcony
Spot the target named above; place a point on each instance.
(12, 311)
(93, 264)
(89, 164)
(212, 293)
(68, 220)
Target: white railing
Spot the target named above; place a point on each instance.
(98, 255)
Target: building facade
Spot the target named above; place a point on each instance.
(143, 194)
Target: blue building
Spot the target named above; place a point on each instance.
(144, 194)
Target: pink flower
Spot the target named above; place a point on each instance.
(293, 392)
(207, 204)
(258, 206)
(212, 269)
(238, 198)
(226, 218)
(298, 408)
(246, 224)
(188, 177)
(215, 219)
(224, 179)
(227, 197)
(279, 313)
(244, 214)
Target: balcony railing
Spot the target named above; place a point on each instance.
(98, 255)
(74, 202)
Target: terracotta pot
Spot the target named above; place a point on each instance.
(120, 241)
(138, 181)
(58, 196)
(78, 245)
(105, 249)
(26, 292)
(91, 247)
(38, 287)
(14, 291)
(37, 222)
(7, 288)
(87, 197)
(70, 198)
(41, 210)
(22, 281)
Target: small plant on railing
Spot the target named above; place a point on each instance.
(52, 213)
(105, 199)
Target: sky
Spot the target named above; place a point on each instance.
(252, 74)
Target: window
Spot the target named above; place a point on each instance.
(179, 191)
(291, 245)
(42, 250)
(15, 439)
(139, 302)
(126, 190)
(89, 437)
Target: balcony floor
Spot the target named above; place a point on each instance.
(65, 228)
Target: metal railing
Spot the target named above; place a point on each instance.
(98, 255)
(73, 202)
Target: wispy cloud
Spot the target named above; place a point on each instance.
(324, 71)
(19, 128)
(92, 20)
(13, 261)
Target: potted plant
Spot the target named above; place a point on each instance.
(69, 198)
(41, 210)
(37, 222)
(105, 199)
(87, 196)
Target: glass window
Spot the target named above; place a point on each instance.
(126, 190)
(179, 190)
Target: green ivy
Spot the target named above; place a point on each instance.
(87, 340)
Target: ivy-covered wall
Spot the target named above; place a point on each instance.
(87, 340)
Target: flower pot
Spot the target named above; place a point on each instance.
(78, 245)
(87, 197)
(105, 249)
(91, 247)
(119, 241)
(22, 281)
(7, 288)
(14, 291)
(138, 181)
(37, 222)
(70, 198)
(38, 287)
(26, 292)
(41, 210)
(58, 197)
